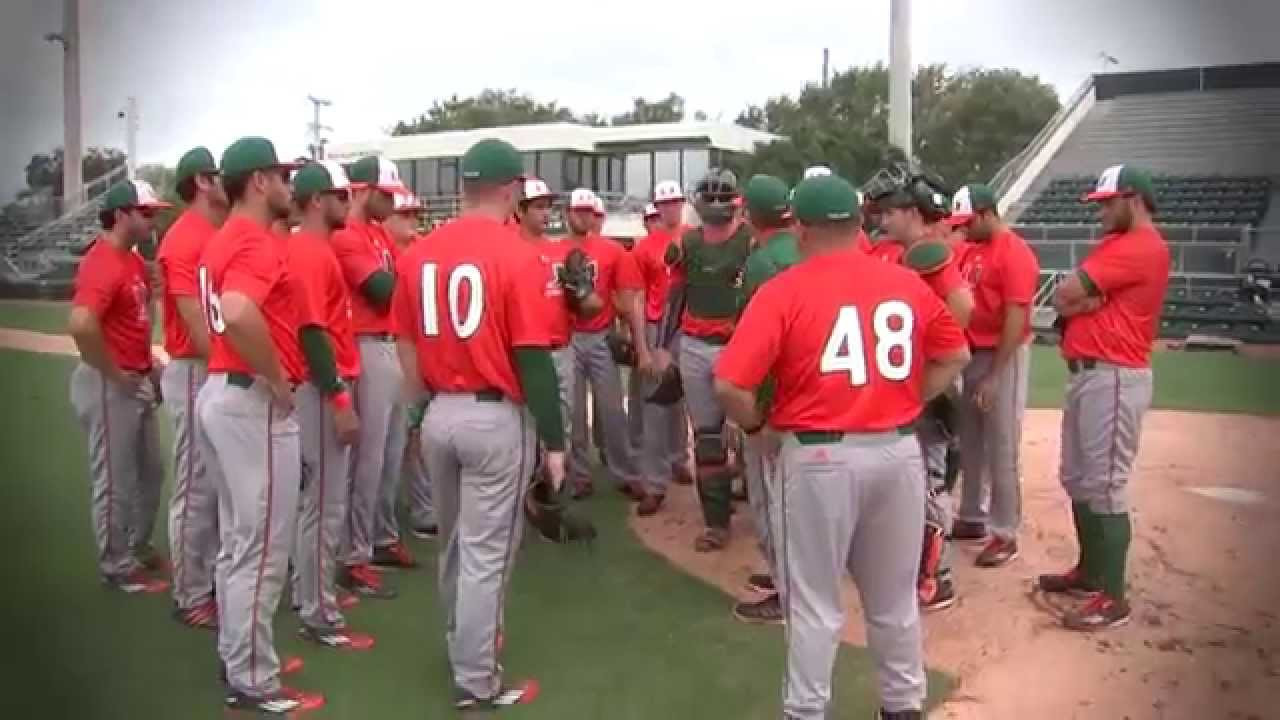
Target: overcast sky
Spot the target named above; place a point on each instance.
(208, 71)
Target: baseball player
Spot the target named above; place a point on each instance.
(652, 218)
(113, 389)
(367, 256)
(473, 326)
(913, 210)
(659, 432)
(617, 281)
(1111, 307)
(854, 363)
(326, 414)
(248, 425)
(769, 216)
(707, 265)
(1003, 272)
(193, 509)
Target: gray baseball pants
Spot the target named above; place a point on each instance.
(323, 514)
(193, 509)
(990, 444)
(856, 505)
(659, 433)
(480, 454)
(379, 453)
(594, 367)
(125, 470)
(1101, 428)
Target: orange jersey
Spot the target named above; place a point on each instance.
(364, 248)
(112, 284)
(178, 257)
(248, 258)
(474, 291)
(846, 356)
(654, 272)
(559, 319)
(613, 269)
(1002, 271)
(1131, 271)
(863, 242)
(325, 301)
(945, 280)
(886, 250)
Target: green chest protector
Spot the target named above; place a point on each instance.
(713, 273)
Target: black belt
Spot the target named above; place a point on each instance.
(831, 437)
(379, 336)
(245, 380)
(1075, 366)
(489, 396)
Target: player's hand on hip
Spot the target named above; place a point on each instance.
(984, 394)
(282, 398)
(347, 425)
(554, 463)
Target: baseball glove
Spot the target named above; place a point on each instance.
(549, 513)
(669, 388)
(575, 277)
(622, 349)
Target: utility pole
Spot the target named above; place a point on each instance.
(900, 77)
(69, 38)
(316, 128)
(826, 68)
(130, 116)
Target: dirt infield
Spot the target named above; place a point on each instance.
(1204, 641)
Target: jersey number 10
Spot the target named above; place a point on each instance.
(846, 351)
(464, 326)
(212, 306)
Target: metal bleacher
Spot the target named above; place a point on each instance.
(1211, 139)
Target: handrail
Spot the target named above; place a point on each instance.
(1011, 169)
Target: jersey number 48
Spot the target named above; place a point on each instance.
(892, 323)
(464, 325)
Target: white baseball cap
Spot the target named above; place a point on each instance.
(535, 189)
(377, 172)
(650, 210)
(816, 171)
(406, 202)
(597, 205)
(582, 199)
(337, 175)
(667, 191)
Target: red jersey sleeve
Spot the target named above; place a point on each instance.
(1021, 275)
(626, 273)
(756, 342)
(354, 257)
(180, 276)
(525, 296)
(252, 271)
(95, 287)
(404, 301)
(942, 334)
(945, 281)
(1116, 265)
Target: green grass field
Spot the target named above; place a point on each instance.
(614, 632)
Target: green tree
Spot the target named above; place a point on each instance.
(44, 170)
(491, 108)
(669, 109)
(966, 124)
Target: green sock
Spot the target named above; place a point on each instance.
(1115, 532)
(1079, 516)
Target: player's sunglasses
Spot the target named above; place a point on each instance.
(342, 194)
(146, 212)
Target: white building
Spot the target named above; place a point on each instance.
(619, 161)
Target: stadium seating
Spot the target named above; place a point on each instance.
(1181, 200)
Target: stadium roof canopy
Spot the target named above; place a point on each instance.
(558, 136)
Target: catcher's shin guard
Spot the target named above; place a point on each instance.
(952, 473)
(550, 513)
(714, 478)
(930, 560)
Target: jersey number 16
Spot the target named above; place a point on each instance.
(209, 299)
(845, 350)
(464, 326)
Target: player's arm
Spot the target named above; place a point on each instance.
(1076, 295)
(960, 303)
(406, 305)
(1021, 276)
(86, 331)
(363, 272)
(192, 316)
(248, 279)
(630, 298)
(946, 351)
(748, 358)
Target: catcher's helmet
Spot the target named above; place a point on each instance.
(896, 186)
(716, 196)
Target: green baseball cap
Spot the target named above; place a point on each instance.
(197, 161)
(766, 196)
(318, 177)
(1119, 180)
(492, 161)
(249, 154)
(131, 194)
(374, 171)
(824, 198)
(968, 200)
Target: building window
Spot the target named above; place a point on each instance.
(449, 176)
(425, 172)
(615, 174)
(666, 166)
(639, 174)
(530, 163)
(602, 173)
(405, 168)
(551, 170)
(696, 164)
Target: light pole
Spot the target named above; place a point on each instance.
(69, 38)
(130, 116)
(900, 77)
(317, 142)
